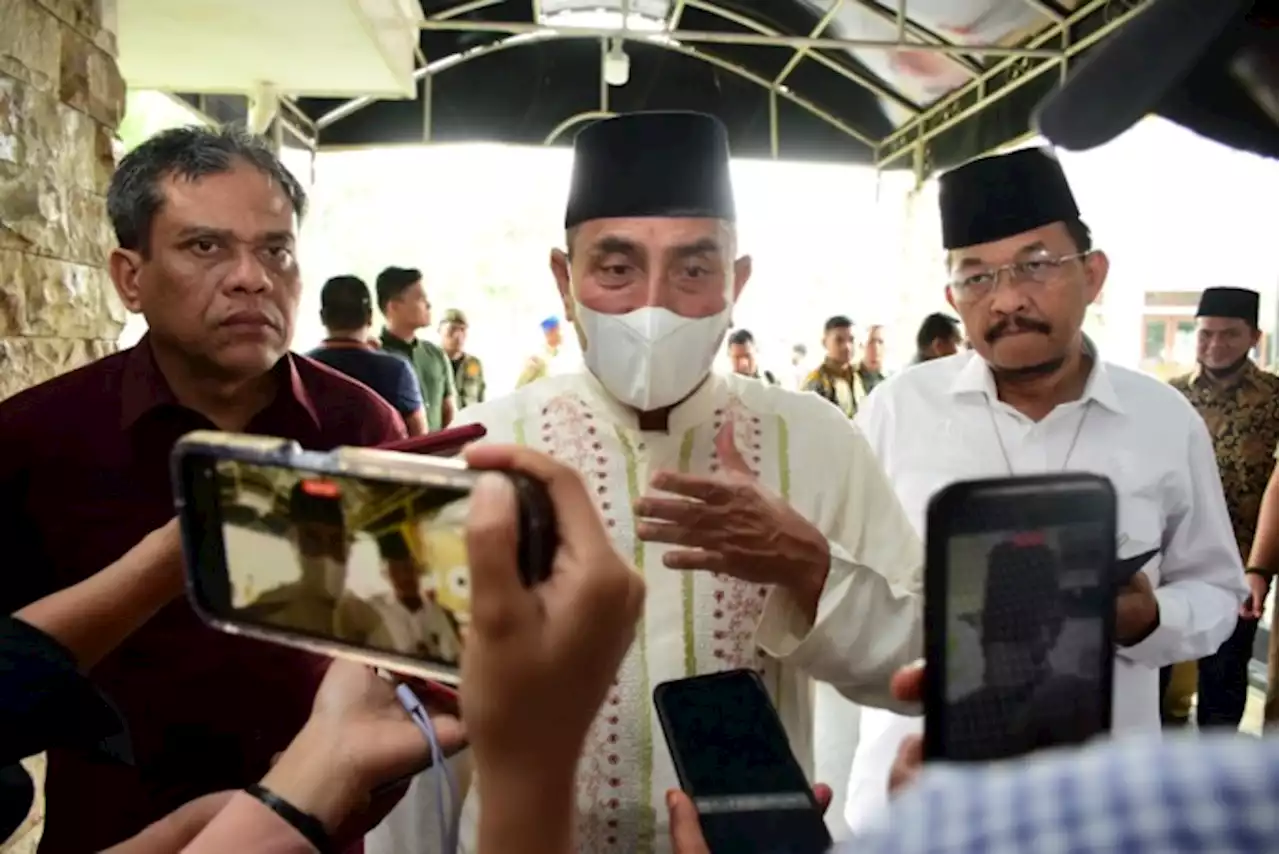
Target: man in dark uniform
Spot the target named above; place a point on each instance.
(742, 354)
(1238, 401)
(468, 373)
(1023, 704)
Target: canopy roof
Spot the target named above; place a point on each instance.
(917, 84)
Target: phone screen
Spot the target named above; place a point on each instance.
(1024, 635)
(728, 738)
(734, 760)
(366, 563)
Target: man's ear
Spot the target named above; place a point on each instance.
(124, 266)
(741, 273)
(1096, 266)
(560, 269)
(951, 300)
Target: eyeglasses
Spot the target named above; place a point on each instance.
(970, 286)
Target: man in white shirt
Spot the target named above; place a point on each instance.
(767, 535)
(412, 623)
(1033, 397)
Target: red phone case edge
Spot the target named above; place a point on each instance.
(441, 443)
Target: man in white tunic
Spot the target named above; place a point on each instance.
(767, 535)
(1033, 397)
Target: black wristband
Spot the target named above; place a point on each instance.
(1260, 572)
(306, 824)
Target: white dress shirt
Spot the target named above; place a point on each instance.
(935, 424)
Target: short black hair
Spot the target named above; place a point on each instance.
(345, 304)
(1080, 234)
(741, 338)
(937, 327)
(394, 281)
(839, 321)
(189, 154)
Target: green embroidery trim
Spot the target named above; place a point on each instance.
(519, 432)
(686, 580)
(647, 828)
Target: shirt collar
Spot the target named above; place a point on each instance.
(394, 342)
(698, 408)
(144, 388)
(975, 378)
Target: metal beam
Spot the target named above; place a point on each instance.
(677, 9)
(924, 34)
(804, 51)
(296, 114)
(447, 62)
(948, 106)
(753, 39)
(576, 118)
(1046, 9)
(822, 59)
(355, 105)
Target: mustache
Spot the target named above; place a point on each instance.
(1010, 325)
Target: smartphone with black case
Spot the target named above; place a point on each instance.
(1020, 587)
(734, 761)
(358, 552)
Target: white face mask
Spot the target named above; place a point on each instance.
(652, 357)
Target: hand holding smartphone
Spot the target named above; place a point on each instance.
(357, 552)
(1020, 591)
(733, 759)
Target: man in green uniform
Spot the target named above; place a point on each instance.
(403, 302)
(468, 373)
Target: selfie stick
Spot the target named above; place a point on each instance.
(420, 716)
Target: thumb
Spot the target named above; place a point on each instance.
(498, 598)
(727, 450)
(686, 832)
(822, 794)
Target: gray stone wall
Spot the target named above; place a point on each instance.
(61, 99)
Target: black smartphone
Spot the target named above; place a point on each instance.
(1020, 587)
(733, 759)
(358, 552)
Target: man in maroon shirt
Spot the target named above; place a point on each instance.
(206, 221)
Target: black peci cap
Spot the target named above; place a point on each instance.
(1239, 303)
(658, 164)
(995, 197)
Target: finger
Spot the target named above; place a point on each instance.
(576, 514)
(692, 486)
(668, 509)
(686, 832)
(727, 450)
(822, 794)
(907, 764)
(907, 685)
(451, 732)
(669, 533)
(694, 559)
(499, 601)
